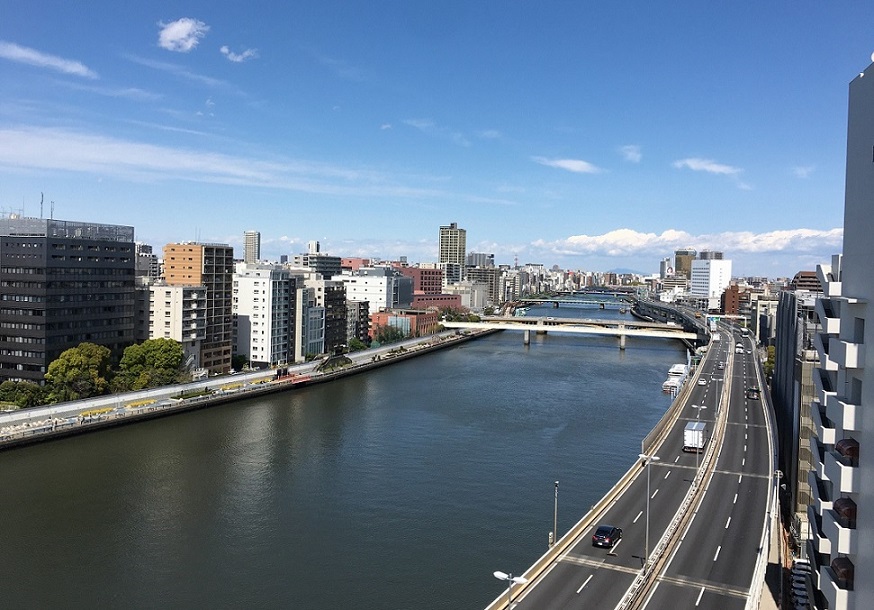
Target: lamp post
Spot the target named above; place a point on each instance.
(511, 580)
(649, 459)
(700, 446)
(555, 516)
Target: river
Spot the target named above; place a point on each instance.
(402, 488)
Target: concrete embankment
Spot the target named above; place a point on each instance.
(28, 426)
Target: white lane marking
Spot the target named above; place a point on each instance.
(698, 601)
(719, 548)
(743, 462)
(667, 474)
(740, 478)
(677, 460)
(745, 448)
(582, 586)
(654, 494)
(637, 517)
(735, 500)
(727, 523)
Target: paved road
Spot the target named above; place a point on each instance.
(713, 565)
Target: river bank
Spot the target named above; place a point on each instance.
(40, 424)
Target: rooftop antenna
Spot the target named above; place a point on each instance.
(52, 215)
(40, 204)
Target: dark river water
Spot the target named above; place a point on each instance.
(403, 488)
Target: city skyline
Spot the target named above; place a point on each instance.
(592, 137)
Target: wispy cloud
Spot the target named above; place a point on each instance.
(489, 134)
(428, 127)
(181, 35)
(26, 55)
(73, 151)
(803, 171)
(130, 93)
(628, 242)
(341, 67)
(177, 70)
(707, 165)
(631, 152)
(578, 166)
(239, 57)
(385, 126)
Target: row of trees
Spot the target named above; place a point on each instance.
(86, 370)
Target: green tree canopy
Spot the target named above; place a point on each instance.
(79, 372)
(149, 364)
(23, 394)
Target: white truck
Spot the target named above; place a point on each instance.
(695, 437)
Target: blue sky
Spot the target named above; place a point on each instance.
(589, 135)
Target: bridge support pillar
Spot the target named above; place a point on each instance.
(622, 336)
(526, 337)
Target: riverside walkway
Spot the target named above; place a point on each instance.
(27, 426)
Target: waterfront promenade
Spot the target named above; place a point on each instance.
(26, 426)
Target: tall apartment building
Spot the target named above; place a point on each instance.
(452, 250)
(323, 264)
(264, 314)
(178, 313)
(210, 266)
(357, 321)
(310, 323)
(330, 295)
(62, 283)
(251, 246)
(842, 484)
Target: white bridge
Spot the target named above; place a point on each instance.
(581, 326)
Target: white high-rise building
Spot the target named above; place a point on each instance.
(710, 278)
(179, 313)
(264, 314)
(842, 481)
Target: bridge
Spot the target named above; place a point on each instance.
(581, 326)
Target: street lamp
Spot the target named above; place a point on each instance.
(511, 580)
(649, 459)
(555, 516)
(700, 446)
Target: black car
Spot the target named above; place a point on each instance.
(606, 535)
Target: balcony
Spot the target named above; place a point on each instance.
(835, 528)
(822, 344)
(841, 472)
(823, 386)
(820, 491)
(849, 355)
(838, 597)
(825, 429)
(828, 319)
(830, 287)
(821, 542)
(845, 415)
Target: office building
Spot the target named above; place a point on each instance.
(62, 283)
(842, 482)
(210, 266)
(710, 277)
(683, 262)
(251, 246)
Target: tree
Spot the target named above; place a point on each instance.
(23, 394)
(356, 345)
(152, 363)
(239, 361)
(79, 372)
(769, 363)
(389, 334)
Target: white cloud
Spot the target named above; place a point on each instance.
(181, 35)
(707, 165)
(239, 57)
(803, 171)
(489, 134)
(631, 153)
(628, 242)
(578, 166)
(385, 126)
(26, 55)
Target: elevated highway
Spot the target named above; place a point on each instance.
(694, 526)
